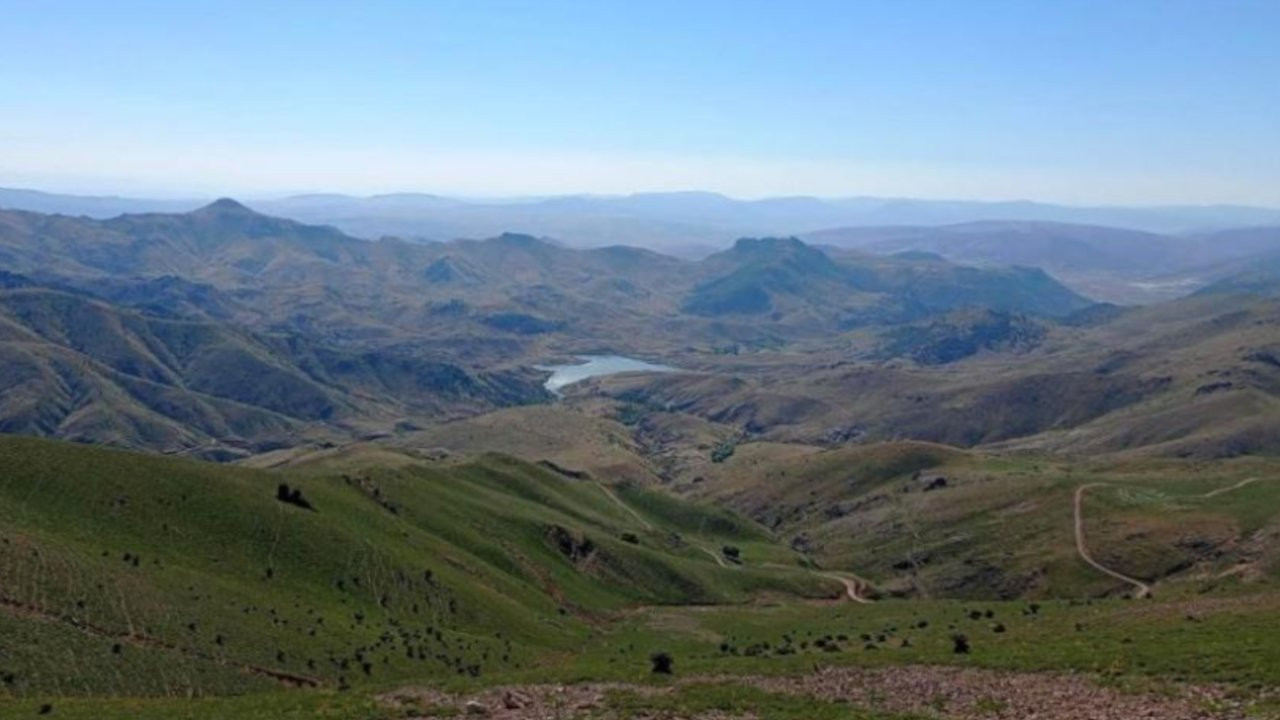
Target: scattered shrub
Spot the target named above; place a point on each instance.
(292, 496)
(723, 451)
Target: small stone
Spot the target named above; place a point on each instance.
(475, 708)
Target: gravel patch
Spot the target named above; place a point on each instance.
(947, 693)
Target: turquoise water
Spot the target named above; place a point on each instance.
(595, 366)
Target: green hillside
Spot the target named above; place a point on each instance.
(379, 585)
(135, 575)
(923, 521)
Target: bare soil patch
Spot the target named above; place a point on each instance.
(952, 693)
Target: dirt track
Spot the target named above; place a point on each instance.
(853, 586)
(1237, 486)
(1143, 590)
(631, 511)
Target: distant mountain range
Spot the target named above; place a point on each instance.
(681, 222)
(766, 275)
(223, 331)
(1118, 254)
(1107, 263)
(151, 370)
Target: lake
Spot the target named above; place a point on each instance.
(595, 366)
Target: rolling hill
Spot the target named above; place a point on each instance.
(84, 369)
(162, 576)
(349, 336)
(226, 332)
(930, 521)
(1192, 377)
(780, 278)
(864, 456)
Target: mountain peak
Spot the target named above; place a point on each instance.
(522, 240)
(775, 249)
(225, 205)
(749, 244)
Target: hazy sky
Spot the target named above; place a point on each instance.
(1101, 101)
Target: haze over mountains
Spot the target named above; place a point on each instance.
(868, 449)
(228, 330)
(897, 406)
(671, 220)
(1124, 266)
(864, 407)
(640, 360)
(685, 220)
(1120, 254)
(814, 378)
(223, 332)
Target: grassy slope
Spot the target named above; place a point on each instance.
(1138, 645)
(1194, 378)
(505, 599)
(134, 575)
(1002, 525)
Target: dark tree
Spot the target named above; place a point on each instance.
(292, 496)
(661, 663)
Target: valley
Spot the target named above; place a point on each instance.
(392, 566)
(259, 468)
(821, 360)
(595, 366)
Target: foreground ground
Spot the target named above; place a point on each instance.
(383, 584)
(1176, 658)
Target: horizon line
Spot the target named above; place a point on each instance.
(465, 198)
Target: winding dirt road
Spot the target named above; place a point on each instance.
(715, 556)
(1143, 590)
(630, 510)
(853, 586)
(1237, 486)
(648, 526)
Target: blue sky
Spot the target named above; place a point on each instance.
(1124, 101)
